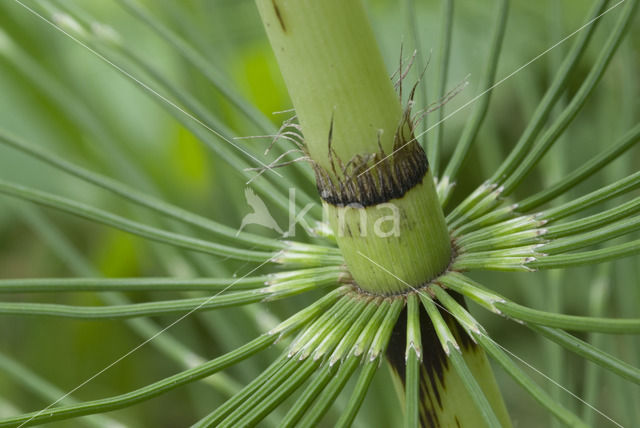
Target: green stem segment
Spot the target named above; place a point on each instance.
(332, 67)
(373, 177)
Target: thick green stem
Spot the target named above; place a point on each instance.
(332, 67)
(374, 179)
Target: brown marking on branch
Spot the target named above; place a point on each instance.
(279, 16)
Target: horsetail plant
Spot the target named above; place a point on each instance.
(389, 269)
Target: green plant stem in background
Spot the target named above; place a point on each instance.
(209, 70)
(472, 126)
(434, 147)
(48, 391)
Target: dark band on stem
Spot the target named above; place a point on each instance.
(374, 179)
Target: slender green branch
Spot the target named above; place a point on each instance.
(86, 211)
(583, 172)
(497, 215)
(371, 316)
(604, 233)
(444, 55)
(447, 341)
(322, 378)
(498, 304)
(59, 285)
(340, 329)
(535, 125)
(49, 392)
(357, 396)
(578, 101)
(365, 335)
(455, 356)
(419, 64)
(263, 407)
(217, 140)
(470, 201)
(570, 322)
(471, 289)
(617, 188)
(290, 375)
(412, 391)
(567, 236)
(500, 229)
(236, 400)
(489, 299)
(141, 394)
(166, 307)
(595, 221)
(352, 341)
(166, 343)
(590, 352)
(496, 219)
(204, 66)
(500, 262)
(140, 198)
(472, 126)
(496, 351)
(586, 257)
(382, 336)
(312, 335)
(551, 96)
(540, 395)
(154, 389)
(474, 389)
(491, 199)
(330, 392)
(514, 233)
(413, 358)
(513, 240)
(178, 240)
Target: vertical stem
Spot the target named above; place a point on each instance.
(473, 125)
(331, 64)
(372, 175)
(412, 21)
(443, 70)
